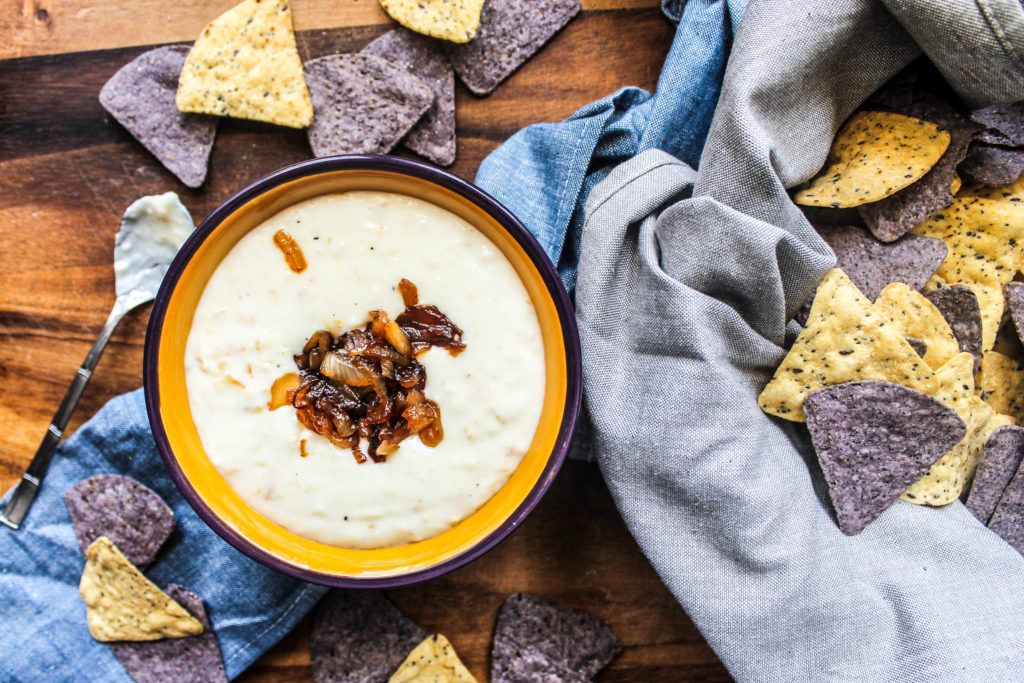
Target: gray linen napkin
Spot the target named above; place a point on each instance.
(682, 303)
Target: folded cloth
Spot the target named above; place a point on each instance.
(44, 634)
(685, 283)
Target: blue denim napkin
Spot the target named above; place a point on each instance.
(555, 165)
(44, 635)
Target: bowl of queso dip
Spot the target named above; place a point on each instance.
(362, 371)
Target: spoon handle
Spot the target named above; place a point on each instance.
(25, 491)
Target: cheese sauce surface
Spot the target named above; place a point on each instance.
(255, 314)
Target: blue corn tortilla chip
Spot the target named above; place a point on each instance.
(919, 345)
(141, 98)
(1000, 460)
(1004, 124)
(362, 104)
(871, 264)
(958, 304)
(536, 640)
(434, 136)
(1015, 305)
(359, 636)
(895, 215)
(991, 165)
(131, 515)
(194, 659)
(1008, 518)
(873, 440)
(511, 31)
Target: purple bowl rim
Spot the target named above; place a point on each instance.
(369, 162)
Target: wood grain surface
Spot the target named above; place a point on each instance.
(67, 172)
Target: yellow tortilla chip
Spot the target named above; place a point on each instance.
(845, 339)
(433, 661)
(122, 604)
(454, 20)
(1014, 192)
(1001, 380)
(874, 155)
(980, 438)
(985, 238)
(915, 316)
(945, 480)
(957, 183)
(245, 64)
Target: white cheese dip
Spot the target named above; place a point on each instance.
(255, 314)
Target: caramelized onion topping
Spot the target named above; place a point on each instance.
(367, 383)
(292, 253)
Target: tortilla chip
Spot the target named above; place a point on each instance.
(1008, 518)
(511, 31)
(1001, 380)
(245, 64)
(945, 479)
(359, 636)
(122, 604)
(959, 306)
(985, 238)
(872, 264)
(981, 436)
(957, 183)
(364, 104)
(845, 339)
(992, 165)
(132, 516)
(875, 154)
(918, 345)
(1004, 124)
(1014, 293)
(434, 136)
(1003, 454)
(433, 661)
(873, 440)
(915, 316)
(1013, 192)
(891, 217)
(536, 640)
(454, 20)
(140, 96)
(195, 659)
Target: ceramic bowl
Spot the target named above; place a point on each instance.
(210, 494)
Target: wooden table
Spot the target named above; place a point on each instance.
(67, 172)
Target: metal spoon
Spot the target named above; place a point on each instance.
(152, 231)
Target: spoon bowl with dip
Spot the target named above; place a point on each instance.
(152, 230)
